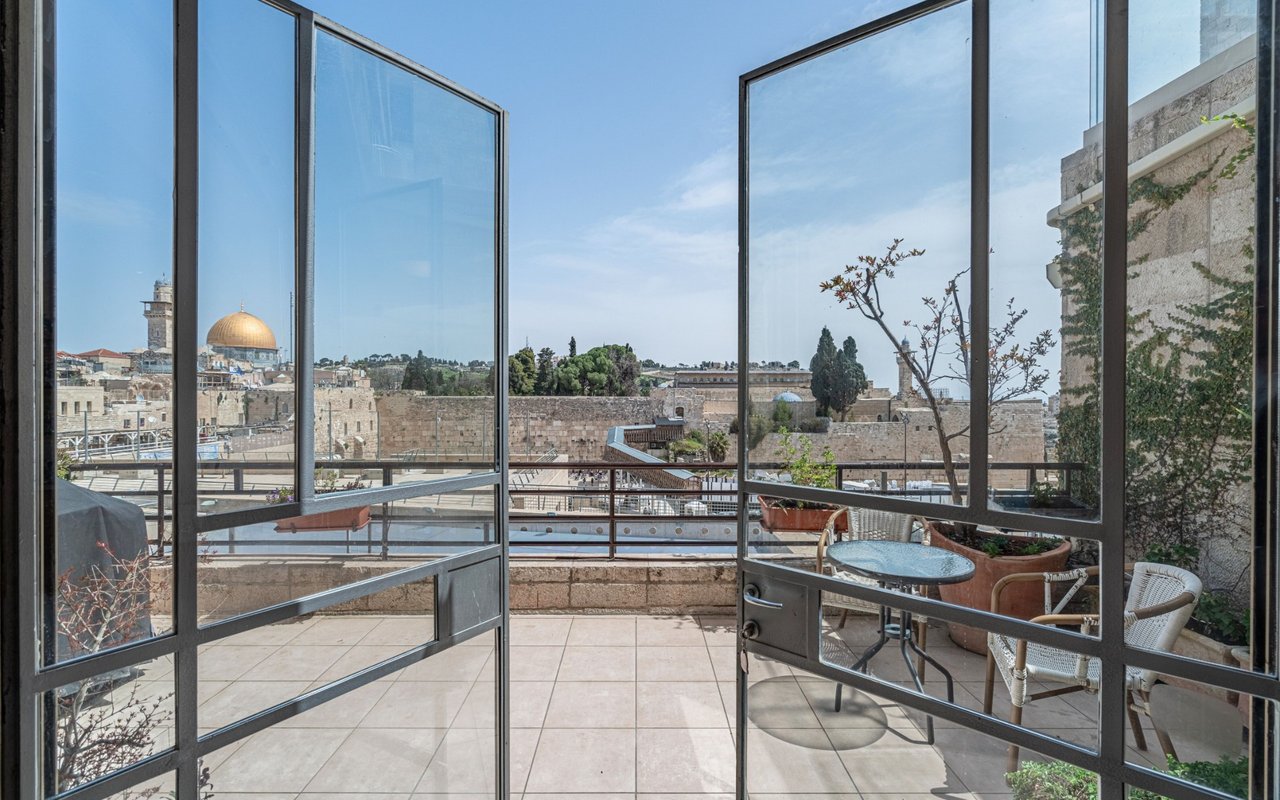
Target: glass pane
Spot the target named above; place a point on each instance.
(1189, 467)
(1193, 731)
(859, 226)
(108, 722)
(397, 735)
(405, 181)
(162, 786)
(246, 403)
(249, 567)
(799, 743)
(246, 673)
(109, 366)
(1044, 431)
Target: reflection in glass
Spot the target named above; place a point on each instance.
(249, 567)
(859, 245)
(111, 363)
(405, 257)
(246, 405)
(108, 722)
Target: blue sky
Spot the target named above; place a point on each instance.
(622, 182)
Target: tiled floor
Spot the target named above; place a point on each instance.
(612, 707)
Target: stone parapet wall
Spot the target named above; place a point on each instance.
(231, 586)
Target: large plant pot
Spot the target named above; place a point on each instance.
(348, 519)
(811, 518)
(1023, 601)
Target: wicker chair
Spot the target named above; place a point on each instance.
(863, 524)
(1159, 603)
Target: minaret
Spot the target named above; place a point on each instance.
(159, 314)
(906, 385)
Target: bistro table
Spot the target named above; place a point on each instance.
(902, 566)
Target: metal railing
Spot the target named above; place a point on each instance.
(591, 508)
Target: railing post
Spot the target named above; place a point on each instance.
(386, 524)
(613, 513)
(1031, 479)
(884, 481)
(1068, 474)
(237, 479)
(839, 477)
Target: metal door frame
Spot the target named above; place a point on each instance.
(27, 58)
(1108, 761)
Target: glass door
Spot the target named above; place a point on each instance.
(1020, 247)
(264, 462)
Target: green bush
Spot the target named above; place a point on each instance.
(1056, 780)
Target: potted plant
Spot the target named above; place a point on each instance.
(995, 555)
(784, 514)
(346, 519)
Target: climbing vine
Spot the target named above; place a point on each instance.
(1188, 386)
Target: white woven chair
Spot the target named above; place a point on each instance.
(862, 524)
(1157, 607)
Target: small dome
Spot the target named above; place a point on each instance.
(241, 329)
(788, 397)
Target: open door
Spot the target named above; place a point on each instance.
(894, 186)
(232, 566)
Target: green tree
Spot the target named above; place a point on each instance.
(718, 446)
(522, 372)
(415, 374)
(573, 347)
(823, 367)
(848, 379)
(544, 383)
(781, 417)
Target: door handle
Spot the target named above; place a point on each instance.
(751, 596)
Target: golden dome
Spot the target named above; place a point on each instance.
(241, 329)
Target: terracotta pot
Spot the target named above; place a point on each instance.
(811, 518)
(348, 519)
(1021, 600)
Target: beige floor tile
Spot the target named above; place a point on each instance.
(539, 631)
(598, 664)
(458, 663)
(684, 796)
(530, 664)
(277, 760)
(724, 660)
(343, 796)
(243, 698)
(404, 632)
(577, 761)
(597, 796)
(671, 704)
(463, 764)
(277, 634)
(803, 761)
(719, 631)
(603, 631)
(417, 705)
(296, 663)
(358, 658)
(673, 664)
(345, 711)
(857, 709)
(675, 760)
(378, 760)
(776, 703)
(592, 704)
(528, 701)
(226, 662)
(669, 632)
(876, 766)
(978, 761)
(335, 630)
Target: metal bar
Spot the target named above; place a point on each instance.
(186, 284)
(246, 516)
(117, 783)
(1085, 529)
(979, 254)
(1217, 675)
(407, 64)
(1113, 700)
(403, 491)
(501, 447)
(613, 513)
(840, 40)
(304, 444)
(22, 137)
(744, 406)
(93, 664)
(342, 594)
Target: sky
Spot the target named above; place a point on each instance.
(622, 144)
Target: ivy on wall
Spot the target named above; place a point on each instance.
(1189, 380)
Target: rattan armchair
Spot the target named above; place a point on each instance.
(1158, 604)
(863, 524)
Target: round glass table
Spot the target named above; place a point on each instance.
(902, 566)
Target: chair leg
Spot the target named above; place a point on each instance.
(839, 694)
(1135, 724)
(1015, 716)
(922, 636)
(989, 687)
(844, 615)
(1166, 744)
